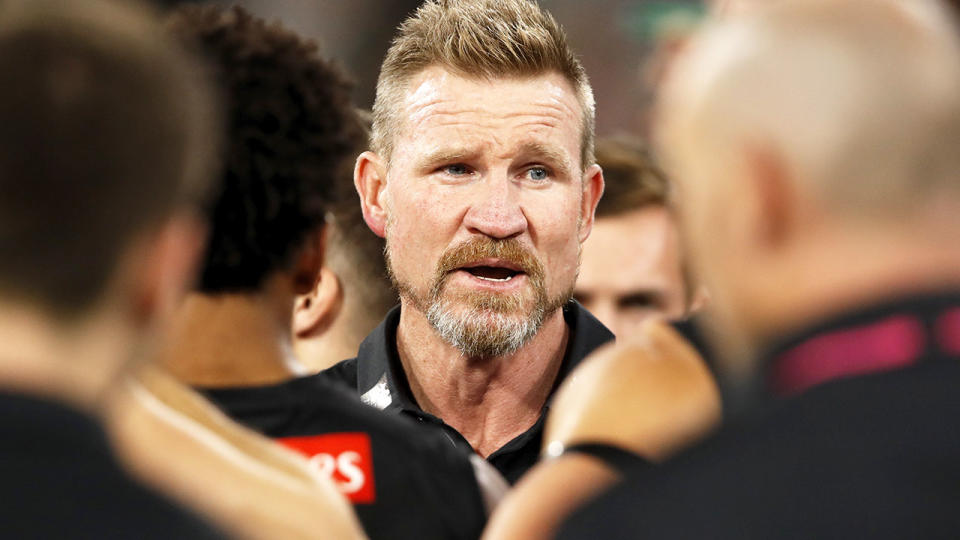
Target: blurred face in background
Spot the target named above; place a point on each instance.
(487, 205)
(631, 270)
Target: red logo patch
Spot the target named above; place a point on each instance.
(344, 457)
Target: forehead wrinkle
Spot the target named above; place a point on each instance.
(418, 114)
(430, 107)
(451, 120)
(550, 113)
(559, 109)
(547, 114)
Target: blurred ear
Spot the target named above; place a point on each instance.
(592, 191)
(314, 312)
(306, 269)
(369, 177)
(772, 199)
(163, 266)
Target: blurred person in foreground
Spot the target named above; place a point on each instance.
(631, 267)
(291, 126)
(353, 292)
(105, 132)
(814, 144)
(239, 479)
(481, 177)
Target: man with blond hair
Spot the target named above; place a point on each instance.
(832, 128)
(481, 177)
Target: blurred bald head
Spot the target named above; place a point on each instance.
(860, 98)
(799, 125)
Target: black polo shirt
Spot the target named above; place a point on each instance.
(855, 434)
(378, 378)
(60, 479)
(404, 480)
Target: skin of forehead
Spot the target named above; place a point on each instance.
(443, 100)
(629, 252)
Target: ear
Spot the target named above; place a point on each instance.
(370, 179)
(592, 191)
(306, 268)
(164, 265)
(773, 198)
(313, 312)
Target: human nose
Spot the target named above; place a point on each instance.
(496, 211)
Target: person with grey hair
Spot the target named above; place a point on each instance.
(814, 143)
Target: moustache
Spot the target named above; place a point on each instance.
(509, 250)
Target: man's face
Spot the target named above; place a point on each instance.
(632, 270)
(486, 206)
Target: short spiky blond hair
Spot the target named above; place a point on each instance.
(480, 39)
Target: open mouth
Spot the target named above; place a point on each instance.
(493, 271)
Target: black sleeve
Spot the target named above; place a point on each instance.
(455, 493)
(621, 460)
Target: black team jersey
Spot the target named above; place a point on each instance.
(377, 376)
(854, 432)
(405, 480)
(62, 480)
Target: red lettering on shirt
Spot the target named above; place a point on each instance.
(347, 458)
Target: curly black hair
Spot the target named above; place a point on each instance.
(291, 126)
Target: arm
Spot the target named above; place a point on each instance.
(174, 440)
(651, 396)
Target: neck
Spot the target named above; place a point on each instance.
(224, 340)
(488, 400)
(74, 363)
(334, 343)
(851, 270)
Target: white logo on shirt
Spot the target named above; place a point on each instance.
(378, 396)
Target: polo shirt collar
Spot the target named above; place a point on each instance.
(383, 384)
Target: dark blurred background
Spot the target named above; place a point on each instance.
(620, 42)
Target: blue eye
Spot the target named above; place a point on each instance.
(456, 169)
(538, 173)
